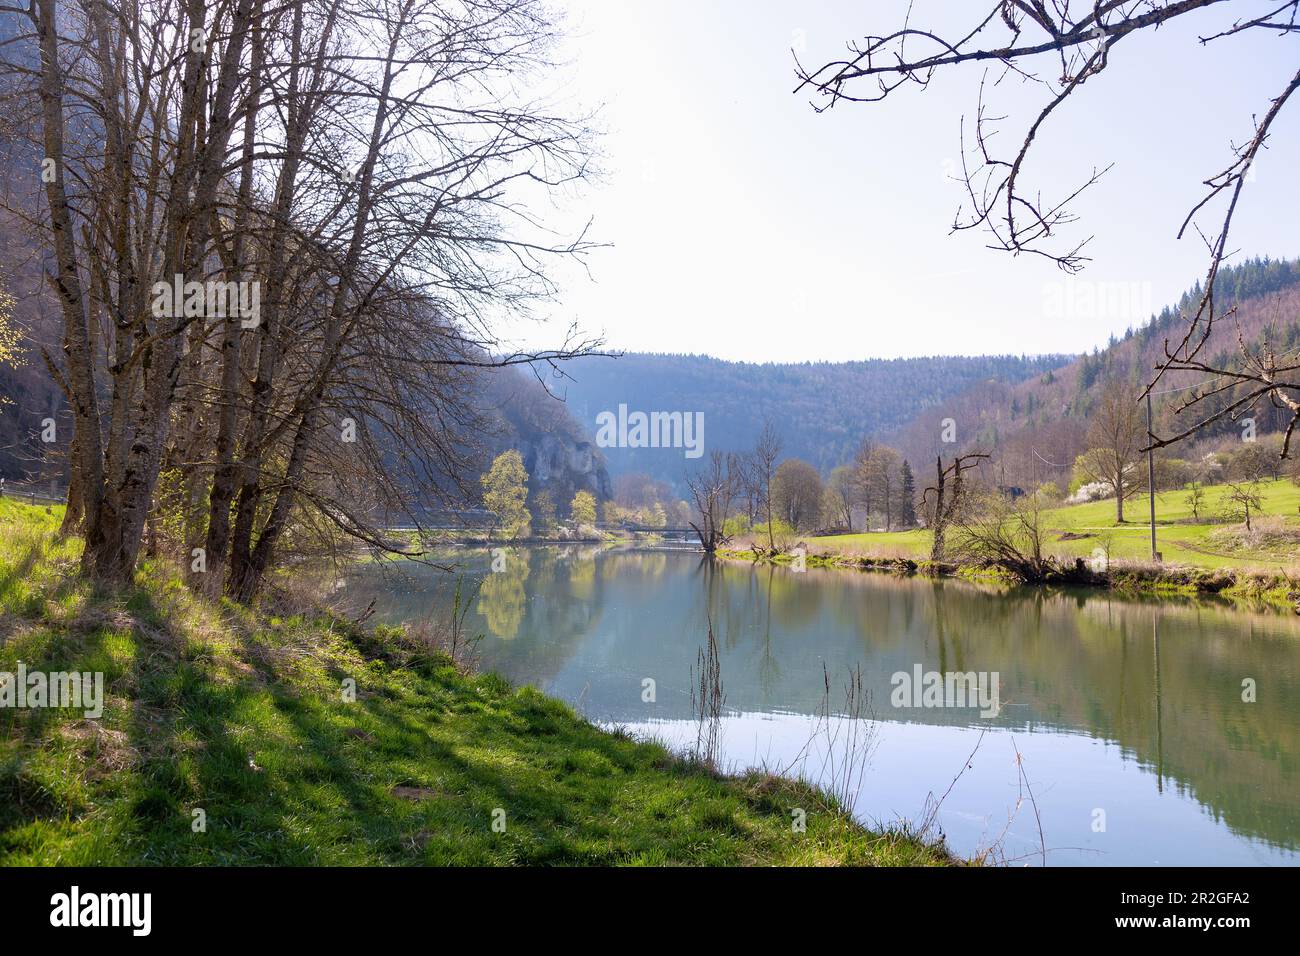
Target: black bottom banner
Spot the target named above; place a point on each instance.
(142, 906)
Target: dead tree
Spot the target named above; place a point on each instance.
(1242, 496)
(713, 489)
(766, 451)
(944, 499)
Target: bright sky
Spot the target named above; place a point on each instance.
(746, 226)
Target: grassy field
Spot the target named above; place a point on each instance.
(1180, 538)
(227, 738)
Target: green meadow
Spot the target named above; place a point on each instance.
(1210, 541)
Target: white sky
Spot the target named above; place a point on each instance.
(744, 225)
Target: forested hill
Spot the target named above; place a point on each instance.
(1038, 426)
(822, 410)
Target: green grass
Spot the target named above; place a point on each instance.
(242, 715)
(1180, 538)
(890, 544)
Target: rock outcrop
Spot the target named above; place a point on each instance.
(565, 464)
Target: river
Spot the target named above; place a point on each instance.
(1124, 731)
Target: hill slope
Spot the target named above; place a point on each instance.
(822, 410)
(1037, 425)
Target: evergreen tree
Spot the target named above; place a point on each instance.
(907, 513)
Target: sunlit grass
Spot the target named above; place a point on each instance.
(1179, 537)
(242, 719)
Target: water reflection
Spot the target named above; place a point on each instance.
(1134, 707)
(501, 596)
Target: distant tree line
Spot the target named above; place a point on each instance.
(766, 497)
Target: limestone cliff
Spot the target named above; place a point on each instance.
(558, 455)
(565, 465)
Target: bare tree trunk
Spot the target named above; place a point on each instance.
(193, 188)
(938, 519)
(226, 473)
(947, 492)
(240, 576)
(247, 579)
(87, 463)
(765, 454)
(74, 513)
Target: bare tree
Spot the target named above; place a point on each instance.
(766, 452)
(944, 499)
(879, 477)
(358, 165)
(713, 489)
(1242, 496)
(841, 496)
(864, 490)
(749, 485)
(797, 492)
(1115, 439)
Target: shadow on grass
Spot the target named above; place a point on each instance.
(201, 734)
(245, 717)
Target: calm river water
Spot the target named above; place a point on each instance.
(1128, 716)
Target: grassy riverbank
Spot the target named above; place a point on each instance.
(1254, 588)
(1208, 541)
(238, 719)
(1205, 555)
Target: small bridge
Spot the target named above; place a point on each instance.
(646, 529)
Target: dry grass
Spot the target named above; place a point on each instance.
(1270, 533)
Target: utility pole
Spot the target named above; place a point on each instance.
(1151, 480)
